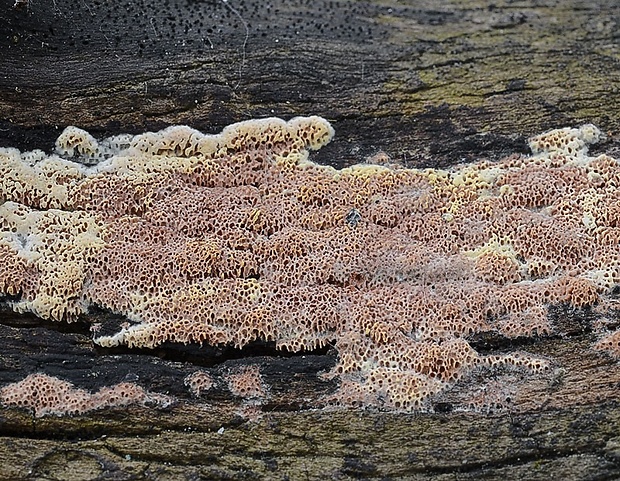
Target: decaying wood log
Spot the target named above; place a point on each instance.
(428, 85)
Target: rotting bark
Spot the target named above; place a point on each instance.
(430, 86)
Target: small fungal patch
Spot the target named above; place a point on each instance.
(246, 382)
(48, 395)
(198, 383)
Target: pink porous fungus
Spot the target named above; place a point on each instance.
(236, 237)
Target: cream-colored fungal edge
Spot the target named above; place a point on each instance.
(234, 237)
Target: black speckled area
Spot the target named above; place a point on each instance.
(158, 29)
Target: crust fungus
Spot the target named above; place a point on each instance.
(229, 238)
(45, 395)
(246, 382)
(198, 383)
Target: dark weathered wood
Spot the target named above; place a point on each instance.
(429, 84)
(316, 445)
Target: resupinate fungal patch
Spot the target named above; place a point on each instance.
(237, 237)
